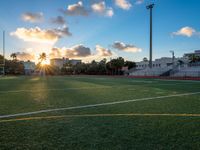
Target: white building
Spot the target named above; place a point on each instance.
(195, 53)
(29, 67)
(163, 62)
(59, 62)
(166, 66)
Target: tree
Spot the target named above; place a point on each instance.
(1, 64)
(93, 67)
(42, 57)
(41, 65)
(1, 59)
(14, 67)
(116, 65)
(130, 64)
(145, 59)
(102, 67)
(67, 68)
(13, 56)
(79, 68)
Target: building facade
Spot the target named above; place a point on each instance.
(29, 67)
(163, 62)
(195, 53)
(59, 62)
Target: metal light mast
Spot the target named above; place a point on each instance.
(3, 52)
(150, 7)
(173, 57)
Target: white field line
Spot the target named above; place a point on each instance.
(97, 105)
(98, 115)
(174, 84)
(39, 90)
(186, 81)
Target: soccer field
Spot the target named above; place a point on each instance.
(94, 112)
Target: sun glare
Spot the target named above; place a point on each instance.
(46, 62)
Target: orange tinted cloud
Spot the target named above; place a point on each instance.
(185, 31)
(124, 4)
(126, 47)
(32, 17)
(36, 34)
(101, 9)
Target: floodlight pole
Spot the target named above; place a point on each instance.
(3, 52)
(172, 58)
(150, 7)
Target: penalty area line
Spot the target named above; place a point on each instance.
(97, 105)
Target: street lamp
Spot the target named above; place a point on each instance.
(150, 7)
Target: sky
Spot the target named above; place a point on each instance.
(97, 29)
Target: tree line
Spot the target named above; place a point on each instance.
(103, 67)
(112, 67)
(117, 66)
(13, 66)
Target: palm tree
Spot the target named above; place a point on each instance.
(42, 58)
(14, 56)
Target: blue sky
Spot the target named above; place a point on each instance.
(176, 26)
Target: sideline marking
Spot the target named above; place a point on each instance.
(96, 105)
(99, 115)
(173, 80)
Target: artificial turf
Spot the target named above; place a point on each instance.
(26, 94)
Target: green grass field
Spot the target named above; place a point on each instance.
(148, 121)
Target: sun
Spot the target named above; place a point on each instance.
(45, 62)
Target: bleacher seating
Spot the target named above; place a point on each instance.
(150, 71)
(187, 72)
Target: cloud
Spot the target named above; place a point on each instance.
(36, 34)
(124, 4)
(78, 51)
(76, 10)
(103, 51)
(101, 9)
(186, 31)
(56, 53)
(81, 52)
(32, 17)
(64, 31)
(138, 2)
(126, 47)
(58, 20)
(23, 56)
